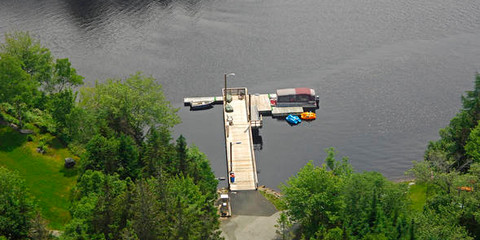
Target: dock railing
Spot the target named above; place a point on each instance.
(225, 133)
(236, 91)
(254, 162)
(256, 119)
(257, 123)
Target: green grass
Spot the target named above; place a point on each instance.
(277, 202)
(418, 196)
(44, 175)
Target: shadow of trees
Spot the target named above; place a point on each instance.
(10, 139)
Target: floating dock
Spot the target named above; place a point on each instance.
(190, 100)
(242, 113)
(285, 111)
(262, 102)
(260, 105)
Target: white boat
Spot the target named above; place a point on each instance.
(200, 105)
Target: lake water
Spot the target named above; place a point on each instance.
(389, 73)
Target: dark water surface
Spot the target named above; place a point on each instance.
(389, 72)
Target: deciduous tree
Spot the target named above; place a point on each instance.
(16, 206)
(130, 106)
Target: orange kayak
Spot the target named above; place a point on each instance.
(308, 116)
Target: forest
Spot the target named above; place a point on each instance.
(133, 180)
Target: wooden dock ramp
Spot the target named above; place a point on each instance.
(239, 142)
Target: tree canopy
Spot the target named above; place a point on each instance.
(134, 180)
(36, 90)
(16, 206)
(332, 202)
(131, 106)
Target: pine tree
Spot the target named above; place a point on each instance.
(146, 217)
(182, 155)
(128, 157)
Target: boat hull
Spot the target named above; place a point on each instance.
(200, 105)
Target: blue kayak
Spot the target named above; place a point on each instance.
(292, 119)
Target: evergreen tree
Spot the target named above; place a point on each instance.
(182, 155)
(455, 136)
(102, 154)
(147, 218)
(128, 157)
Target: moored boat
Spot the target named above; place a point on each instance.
(296, 97)
(200, 105)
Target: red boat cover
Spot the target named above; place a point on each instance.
(295, 91)
(304, 91)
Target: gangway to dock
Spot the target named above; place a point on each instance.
(239, 141)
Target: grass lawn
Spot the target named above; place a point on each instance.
(45, 175)
(418, 196)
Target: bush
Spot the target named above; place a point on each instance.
(6, 112)
(76, 148)
(42, 120)
(30, 138)
(42, 146)
(31, 127)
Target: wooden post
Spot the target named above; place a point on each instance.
(249, 107)
(231, 156)
(225, 75)
(225, 91)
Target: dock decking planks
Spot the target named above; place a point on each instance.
(189, 100)
(284, 111)
(243, 158)
(262, 101)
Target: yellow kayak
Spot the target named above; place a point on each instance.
(308, 116)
